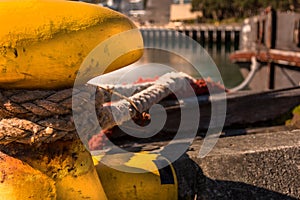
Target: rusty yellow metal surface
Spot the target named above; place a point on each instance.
(18, 181)
(70, 166)
(136, 176)
(44, 42)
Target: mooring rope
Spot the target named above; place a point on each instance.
(254, 67)
(123, 110)
(126, 90)
(31, 116)
(36, 116)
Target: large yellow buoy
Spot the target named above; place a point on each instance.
(44, 42)
(137, 176)
(19, 181)
(70, 165)
(59, 170)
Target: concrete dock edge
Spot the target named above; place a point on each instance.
(258, 166)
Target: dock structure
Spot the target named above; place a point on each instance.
(200, 33)
(272, 38)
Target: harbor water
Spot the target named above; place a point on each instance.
(195, 51)
(171, 50)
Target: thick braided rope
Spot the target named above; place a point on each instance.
(45, 116)
(125, 90)
(33, 116)
(123, 110)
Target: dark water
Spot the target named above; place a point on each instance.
(229, 71)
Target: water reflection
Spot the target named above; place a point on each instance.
(230, 72)
(169, 50)
(169, 39)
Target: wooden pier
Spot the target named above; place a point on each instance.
(273, 39)
(200, 33)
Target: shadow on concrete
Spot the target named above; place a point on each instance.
(193, 184)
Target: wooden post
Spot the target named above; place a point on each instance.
(199, 35)
(271, 67)
(218, 38)
(271, 42)
(232, 35)
(194, 34)
(223, 35)
(236, 39)
(298, 33)
(206, 35)
(214, 34)
(271, 28)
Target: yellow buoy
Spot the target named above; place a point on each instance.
(136, 176)
(18, 180)
(58, 170)
(44, 42)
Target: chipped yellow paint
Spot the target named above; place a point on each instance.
(18, 181)
(135, 176)
(70, 166)
(44, 42)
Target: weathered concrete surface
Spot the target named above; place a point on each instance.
(259, 166)
(264, 164)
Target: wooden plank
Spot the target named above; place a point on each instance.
(243, 108)
(263, 106)
(282, 57)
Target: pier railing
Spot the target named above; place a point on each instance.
(201, 33)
